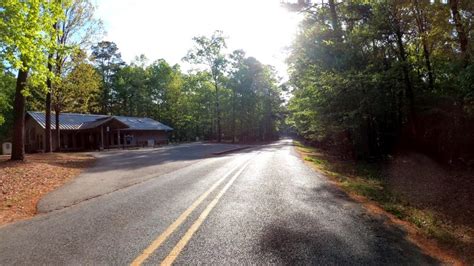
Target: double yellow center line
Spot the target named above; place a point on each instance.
(194, 227)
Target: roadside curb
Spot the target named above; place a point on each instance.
(230, 150)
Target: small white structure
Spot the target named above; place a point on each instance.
(151, 143)
(6, 148)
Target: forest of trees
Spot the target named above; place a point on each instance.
(371, 77)
(51, 63)
(231, 96)
(366, 78)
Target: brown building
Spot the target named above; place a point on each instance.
(94, 132)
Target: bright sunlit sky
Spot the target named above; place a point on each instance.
(164, 28)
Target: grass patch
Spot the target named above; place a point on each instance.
(396, 209)
(371, 189)
(315, 160)
(366, 179)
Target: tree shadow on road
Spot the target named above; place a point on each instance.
(337, 231)
(136, 159)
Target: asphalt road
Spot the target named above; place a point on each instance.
(117, 169)
(258, 206)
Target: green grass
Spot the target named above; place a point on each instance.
(367, 188)
(315, 160)
(396, 209)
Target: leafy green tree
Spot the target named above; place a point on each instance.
(7, 92)
(79, 90)
(236, 80)
(131, 95)
(76, 30)
(208, 51)
(26, 30)
(367, 75)
(165, 85)
(257, 96)
(195, 107)
(108, 61)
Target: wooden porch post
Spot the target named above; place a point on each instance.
(118, 137)
(74, 143)
(101, 137)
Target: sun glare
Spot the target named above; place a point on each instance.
(164, 29)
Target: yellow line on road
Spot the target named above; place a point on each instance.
(189, 234)
(163, 236)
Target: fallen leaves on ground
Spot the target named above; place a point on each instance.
(22, 184)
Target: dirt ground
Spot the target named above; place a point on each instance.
(22, 184)
(445, 193)
(450, 193)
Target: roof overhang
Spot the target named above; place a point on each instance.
(101, 122)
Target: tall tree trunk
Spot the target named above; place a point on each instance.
(233, 115)
(429, 68)
(57, 104)
(57, 111)
(406, 71)
(211, 133)
(218, 113)
(241, 124)
(335, 20)
(421, 23)
(461, 30)
(406, 77)
(18, 145)
(47, 131)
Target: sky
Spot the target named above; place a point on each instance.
(165, 28)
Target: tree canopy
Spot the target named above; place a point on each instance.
(366, 77)
(26, 38)
(370, 76)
